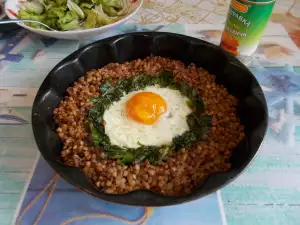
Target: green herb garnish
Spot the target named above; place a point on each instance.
(198, 122)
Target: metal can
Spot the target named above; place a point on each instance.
(245, 24)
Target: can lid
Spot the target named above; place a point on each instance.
(258, 2)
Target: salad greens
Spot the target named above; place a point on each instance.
(199, 123)
(68, 14)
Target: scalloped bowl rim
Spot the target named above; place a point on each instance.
(73, 57)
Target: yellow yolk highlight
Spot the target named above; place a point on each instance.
(146, 107)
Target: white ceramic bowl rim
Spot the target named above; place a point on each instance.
(127, 17)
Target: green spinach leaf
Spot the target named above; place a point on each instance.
(199, 124)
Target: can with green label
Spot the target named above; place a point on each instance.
(245, 24)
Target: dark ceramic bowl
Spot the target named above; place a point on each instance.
(238, 80)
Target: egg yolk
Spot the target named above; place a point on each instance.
(146, 107)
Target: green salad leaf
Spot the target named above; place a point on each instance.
(70, 26)
(102, 18)
(91, 20)
(56, 12)
(67, 18)
(199, 123)
(116, 4)
(86, 5)
(37, 17)
(61, 2)
(75, 8)
(71, 14)
(33, 7)
(110, 11)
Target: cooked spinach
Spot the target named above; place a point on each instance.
(129, 155)
(199, 123)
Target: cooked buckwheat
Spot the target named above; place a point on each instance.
(182, 171)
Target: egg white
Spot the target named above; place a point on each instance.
(126, 132)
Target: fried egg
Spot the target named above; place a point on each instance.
(152, 116)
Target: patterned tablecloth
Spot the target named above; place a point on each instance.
(268, 193)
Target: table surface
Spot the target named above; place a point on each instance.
(267, 193)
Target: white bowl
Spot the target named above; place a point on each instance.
(131, 6)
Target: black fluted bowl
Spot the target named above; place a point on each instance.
(238, 80)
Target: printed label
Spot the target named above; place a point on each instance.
(246, 21)
(239, 6)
